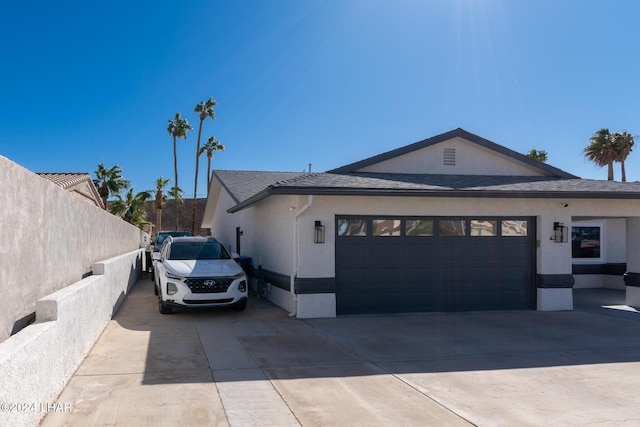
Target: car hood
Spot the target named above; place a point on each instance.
(203, 268)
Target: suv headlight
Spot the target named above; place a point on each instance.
(240, 275)
(173, 276)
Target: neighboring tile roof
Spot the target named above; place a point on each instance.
(65, 180)
(70, 181)
(248, 187)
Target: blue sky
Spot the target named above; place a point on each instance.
(326, 82)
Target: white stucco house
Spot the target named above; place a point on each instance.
(451, 223)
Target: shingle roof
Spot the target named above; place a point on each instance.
(248, 187)
(241, 185)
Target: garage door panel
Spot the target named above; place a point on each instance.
(349, 254)
(385, 253)
(435, 273)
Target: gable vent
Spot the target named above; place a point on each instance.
(449, 157)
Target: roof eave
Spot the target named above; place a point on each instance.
(484, 194)
(251, 200)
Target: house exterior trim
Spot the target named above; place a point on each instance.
(319, 285)
(485, 194)
(554, 281)
(303, 285)
(632, 279)
(613, 269)
(278, 280)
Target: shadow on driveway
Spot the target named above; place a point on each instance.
(259, 367)
(264, 337)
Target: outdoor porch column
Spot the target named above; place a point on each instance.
(554, 279)
(632, 276)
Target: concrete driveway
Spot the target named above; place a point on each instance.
(262, 368)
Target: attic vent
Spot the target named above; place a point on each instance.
(449, 157)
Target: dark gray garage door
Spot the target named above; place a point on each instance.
(413, 264)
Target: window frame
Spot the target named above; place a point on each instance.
(436, 222)
(592, 260)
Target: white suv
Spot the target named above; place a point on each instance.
(197, 272)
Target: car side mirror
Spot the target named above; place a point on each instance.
(156, 256)
(235, 255)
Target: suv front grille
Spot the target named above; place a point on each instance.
(211, 285)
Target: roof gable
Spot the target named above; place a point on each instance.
(457, 152)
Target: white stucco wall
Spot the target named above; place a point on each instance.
(267, 230)
(471, 159)
(36, 363)
(51, 239)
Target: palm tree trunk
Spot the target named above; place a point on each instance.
(610, 171)
(624, 172)
(195, 185)
(175, 172)
(158, 220)
(104, 192)
(208, 174)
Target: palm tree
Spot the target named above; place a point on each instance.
(109, 181)
(131, 207)
(210, 146)
(176, 193)
(624, 144)
(160, 200)
(204, 110)
(177, 128)
(602, 151)
(539, 155)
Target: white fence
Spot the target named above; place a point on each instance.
(37, 362)
(52, 262)
(50, 239)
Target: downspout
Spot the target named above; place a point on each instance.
(296, 250)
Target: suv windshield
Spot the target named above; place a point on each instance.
(197, 251)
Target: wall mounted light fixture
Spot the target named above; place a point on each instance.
(318, 236)
(560, 233)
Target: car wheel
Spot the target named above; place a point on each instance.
(163, 308)
(240, 305)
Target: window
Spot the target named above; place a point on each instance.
(585, 241)
(418, 227)
(352, 227)
(514, 228)
(386, 227)
(483, 227)
(452, 227)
